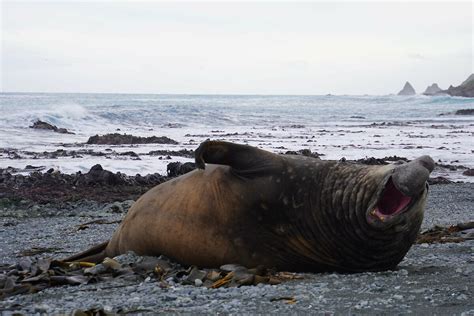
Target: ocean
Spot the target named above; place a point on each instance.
(350, 127)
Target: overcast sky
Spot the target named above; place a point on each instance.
(234, 48)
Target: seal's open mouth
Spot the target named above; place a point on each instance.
(391, 202)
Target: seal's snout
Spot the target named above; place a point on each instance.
(427, 162)
(411, 177)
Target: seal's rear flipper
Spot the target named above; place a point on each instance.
(95, 254)
(243, 159)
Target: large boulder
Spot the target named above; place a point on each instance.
(407, 90)
(434, 89)
(46, 126)
(464, 112)
(119, 139)
(466, 89)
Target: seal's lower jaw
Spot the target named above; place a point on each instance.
(390, 202)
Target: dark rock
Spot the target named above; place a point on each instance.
(465, 112)
(466, 89)
(372, 161)
(46, 126)
(469, 172)
(173, 125)
(381, 161)
(175, 169)
(119, 139)
(434, 89)
(304, 152)
(97, 175)
(438, 180)
(180, 153)
(96, 185)
(407, 90)
(129, 153)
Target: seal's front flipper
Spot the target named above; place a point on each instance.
(243, 159)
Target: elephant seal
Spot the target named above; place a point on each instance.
(294, 213)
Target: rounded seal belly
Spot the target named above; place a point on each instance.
(188, 219)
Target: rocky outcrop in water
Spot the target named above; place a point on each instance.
(407, 90)
(119, 139)
(46, 126)
(466, 89)
(434, 89)
(465, 112)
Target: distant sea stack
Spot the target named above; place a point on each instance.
(407, 90)
(432, 90)
(466, 89)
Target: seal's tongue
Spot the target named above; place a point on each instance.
(392, 200)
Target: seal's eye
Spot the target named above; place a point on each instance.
(392, 200)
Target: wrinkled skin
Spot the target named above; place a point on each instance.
(296, 213)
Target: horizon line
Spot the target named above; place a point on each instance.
(212, 94)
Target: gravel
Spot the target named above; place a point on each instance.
(433, 278)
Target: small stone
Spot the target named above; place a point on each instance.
(97, 269)
(361, 304)
(462, 297)
(134, 299)
(398, 297)
(126, 259)
(108, 308)
(459, 270)
(42, 308)
(111, 264)
(418, 291)
(197, 282)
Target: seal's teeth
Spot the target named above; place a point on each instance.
(377, 215)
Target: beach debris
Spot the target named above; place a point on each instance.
(121, 139)
(100, 221)
(30, 275)
(454, 233)
(285, 299)
(36, 251)
(46, 126)
(92, 312)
